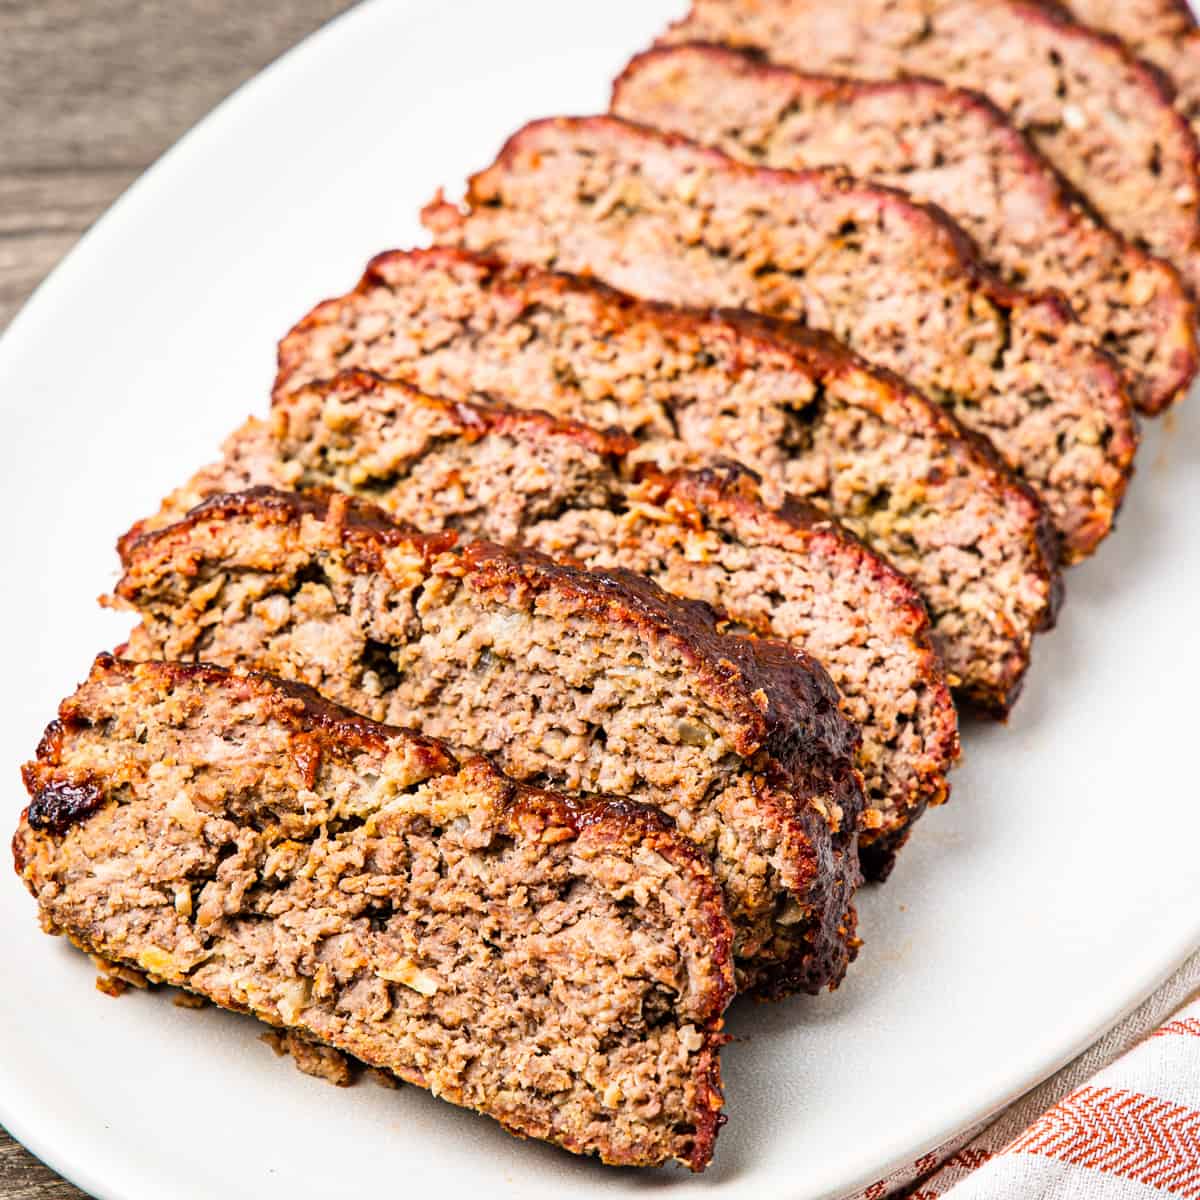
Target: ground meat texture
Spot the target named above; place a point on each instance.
(664, 218)
(312, 1058)
(560, 964)
(1163, 32)
(584, 680)
(786, 571)
(949, 147)
(783, 571)
(1138, 22)
(486, 470)
(1103, 117)
(809, 417)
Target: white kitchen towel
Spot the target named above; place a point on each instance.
(1121, 1122)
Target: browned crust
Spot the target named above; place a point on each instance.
(830, 357)
(1047, 309)
(1178, 13)
(329, 729)
(360, 523)
(787, 710)
(326, 729)
(730, 488)
(1056, 16)
(1151, 396)
(811, 352)
(474, 422)
(761, 680)
(1053, 15)
(942, 228)
(477, 421)
(771, 681)
(320, 727)
(695, 499)
(814, 349)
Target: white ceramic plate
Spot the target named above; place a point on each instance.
(1056, 890)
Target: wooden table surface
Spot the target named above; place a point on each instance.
(91, 93)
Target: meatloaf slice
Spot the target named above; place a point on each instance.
(809, 417)
(1140, 23)
(1103, 117)
(1163, 32)
(558, 963)
(579, 679)
(788, 573)
(898, 282)
(943, 145)
(710, 535)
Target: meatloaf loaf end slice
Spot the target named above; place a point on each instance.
(809, 417)
(578, 679)
(1103, 117)
(788, 572)
(558, 963)
(948, 147)
(664, 218)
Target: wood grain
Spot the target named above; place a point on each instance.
(91, 93)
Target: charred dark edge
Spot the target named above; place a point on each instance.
(60, 803)
(732, 488)
(737, 667)
(787, 708)
(745, 663)
(878, 857)
(820, 968)
(727, 488)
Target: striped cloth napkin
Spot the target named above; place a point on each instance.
(1122, 1122)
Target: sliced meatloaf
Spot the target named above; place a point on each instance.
(487, 470)
(585, 680)
(1098, 113)
(558, 963)
(664, 218)
(1137, 22)
(1182, 61)
(944, 145)
(1163, 32)
(709, 535)
(809, 417)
